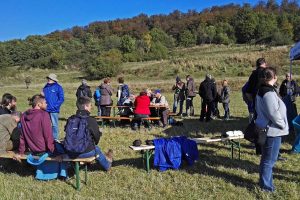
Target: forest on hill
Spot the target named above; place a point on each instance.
(101, 47)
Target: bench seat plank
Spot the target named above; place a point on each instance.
(11, 154)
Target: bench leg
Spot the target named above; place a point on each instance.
(85, 174)
(235, 145)
(77, 176)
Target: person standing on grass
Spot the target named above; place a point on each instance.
(208, 93)
(123, 91)
(105, 99)
(84, 107)
(84, 90)
(8, 104)
(225, 99)
(179, 97)
(254, 82)
(54, 95)
(190, 94)
(271, 116)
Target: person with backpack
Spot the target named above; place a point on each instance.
(83, 135)
(123, 91)
(190, 94)
(208, 93)
(84, 90)
(97, 98)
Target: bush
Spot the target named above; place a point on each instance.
(105, 65)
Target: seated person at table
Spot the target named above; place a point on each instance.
(141, 104)
(163, 107)
(9, 131)
(82, 142)
(127, 110)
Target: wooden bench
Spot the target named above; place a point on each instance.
(114, 119)
(65, 158)
(148, 150)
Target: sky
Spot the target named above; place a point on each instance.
(20, 18)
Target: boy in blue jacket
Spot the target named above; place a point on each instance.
(54, 95)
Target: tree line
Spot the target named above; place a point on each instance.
(100, 47)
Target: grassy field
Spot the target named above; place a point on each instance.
(214, 176)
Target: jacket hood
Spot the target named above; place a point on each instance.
(82, 113)
(103, 86)
(265, 88)
(31, 114)
(82, 87)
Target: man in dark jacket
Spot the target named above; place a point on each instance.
(84, 90)
(255, 79)
(54, 95)
(8, 104)
(208, 93)
(84, 107)
(254, 82)
(190, 94)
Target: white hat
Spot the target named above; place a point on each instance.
(52, 77)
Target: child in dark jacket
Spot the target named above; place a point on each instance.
(225, 98)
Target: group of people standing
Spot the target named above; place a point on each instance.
(272, 110)
(210, 97)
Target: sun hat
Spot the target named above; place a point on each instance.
(52, 77)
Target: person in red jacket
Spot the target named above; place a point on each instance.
(36, 134)
(142, 110)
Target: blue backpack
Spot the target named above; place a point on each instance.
(97, 96)
(78, 137)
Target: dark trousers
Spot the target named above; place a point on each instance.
(226, 109)
(136, 122)
(206, 108)
(164, 116)
(177, 101)
(105, 111)
(189, 106)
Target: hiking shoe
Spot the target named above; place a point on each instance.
(109, 156)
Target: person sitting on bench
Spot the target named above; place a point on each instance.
(9, 131)
(36, 137)
(160, 100)
(83, 135)
(141, 104)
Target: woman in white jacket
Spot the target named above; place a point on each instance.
(271, 116)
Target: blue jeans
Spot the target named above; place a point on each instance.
(101, 157)
(226, 109)
(270, 151)
(54, 120)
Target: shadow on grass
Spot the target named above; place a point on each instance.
(209, 161)
(10, 166)
(193, 127)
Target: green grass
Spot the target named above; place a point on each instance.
(214, 176)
